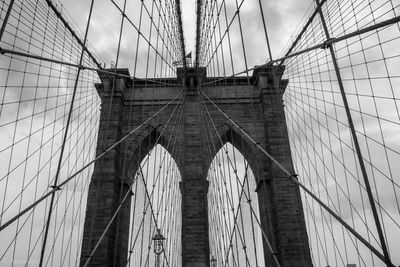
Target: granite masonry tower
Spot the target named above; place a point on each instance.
(254, 103)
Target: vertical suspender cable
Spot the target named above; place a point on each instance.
(355, 140)
(3, 26)
(265, 29)
(180, 29)
(123, 15)
(294, 178)
(55, 186)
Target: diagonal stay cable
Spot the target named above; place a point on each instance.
(236, 175)
(5, 225)
(73, 33)
(4, 51)
(144, 162)
(141, 34)
(3, 26)
(231, 202)
(180, 29)
(55, 185)
(355, 140)
(322, 45)
(128, 193)
(238, 209)
(133, 242)
(294, 178)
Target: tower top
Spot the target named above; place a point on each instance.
(191, 77)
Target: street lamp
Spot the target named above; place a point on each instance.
(213, 261)
(158, 245)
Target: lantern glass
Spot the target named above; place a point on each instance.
(158, 242)
(213, 261)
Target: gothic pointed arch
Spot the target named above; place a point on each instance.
(256, 159)
(141, 145)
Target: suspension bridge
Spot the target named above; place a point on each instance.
(234, 155)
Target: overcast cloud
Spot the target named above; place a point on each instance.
(316, 120)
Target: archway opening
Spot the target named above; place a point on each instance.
(155, 205)
(233, 212)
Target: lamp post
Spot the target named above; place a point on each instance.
(158, 246)
(213, 261)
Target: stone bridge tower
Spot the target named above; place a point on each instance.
(254, 103)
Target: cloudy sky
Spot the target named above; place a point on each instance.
(282, 18)
(316, 119)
